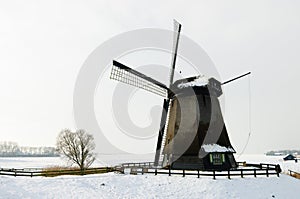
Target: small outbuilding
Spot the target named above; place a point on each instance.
(289, 157)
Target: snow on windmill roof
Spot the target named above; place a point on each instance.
(216, 148)
(200, 80)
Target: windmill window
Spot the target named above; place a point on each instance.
(217, 158)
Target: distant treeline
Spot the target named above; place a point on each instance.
(283, 152)
(12, 149)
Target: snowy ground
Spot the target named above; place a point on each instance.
(114, 185)
(285, 165)
(148, 186)
(43, 162)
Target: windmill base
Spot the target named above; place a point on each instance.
(212, 161)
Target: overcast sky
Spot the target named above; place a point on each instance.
(43, 45)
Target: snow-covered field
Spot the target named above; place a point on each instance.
(114, 185)
(148, 186)
(43, 162)
(285, 165)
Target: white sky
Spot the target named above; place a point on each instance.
(44, 43)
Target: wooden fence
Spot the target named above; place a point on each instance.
(294, 174)
(138, 164)
(243, 170)
(49, 173)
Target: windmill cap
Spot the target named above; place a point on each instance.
(200, 84)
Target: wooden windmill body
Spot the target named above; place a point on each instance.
(196, 136)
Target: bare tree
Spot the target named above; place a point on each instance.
(77, 147)
(9, 149)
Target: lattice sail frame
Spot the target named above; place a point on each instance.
(132, 77)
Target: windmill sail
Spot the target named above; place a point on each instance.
(164, 115)
(127, 75)
(177, 29)
(161, 130)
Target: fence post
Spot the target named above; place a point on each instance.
(122, 169)
(214, 175)
(183, 173)
(278, 169)
(242, 174)
(228, 174)
(155, 171)
(198, 174)
(169, 171)
(255, 173)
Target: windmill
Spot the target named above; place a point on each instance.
(192, 133)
